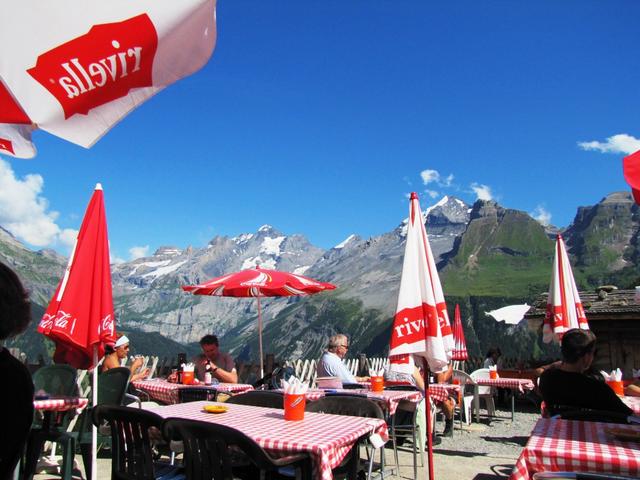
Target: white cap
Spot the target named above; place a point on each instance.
(123, 340)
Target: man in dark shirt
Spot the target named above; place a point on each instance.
(17, 400)
(568, 386)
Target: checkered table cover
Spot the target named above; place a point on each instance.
(389, 397)
(570, 445)
(327, 438)
(633, 403)
(438, 391)
(60, 404)
(521, 384)
(167, 393)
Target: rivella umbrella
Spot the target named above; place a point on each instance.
(80, 66)
(564, 308)
(79, 318)
(460, 345)
(421, 324)
(15, 127)
(631, 169)
(258, 282)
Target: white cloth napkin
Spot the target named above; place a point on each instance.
(636, 373)
(294, 386)
(615, 375)
(376, 373)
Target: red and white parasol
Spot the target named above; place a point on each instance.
(460, 349)
(564, 308)
(258, 282)
(80, 67)
(421, 324)
(631, 169)
(79, 318)
(15, 127)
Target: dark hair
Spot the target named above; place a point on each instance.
(576, 343)
(492, 351)
(209, 340)
(15, 309)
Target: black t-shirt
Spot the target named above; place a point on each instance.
(16, 413)
(560, 388)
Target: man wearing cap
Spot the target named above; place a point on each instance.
(219, 364)
(119, 351)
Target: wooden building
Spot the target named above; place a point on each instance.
(614, 317)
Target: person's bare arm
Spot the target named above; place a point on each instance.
(223, 375)
(417, 376)
(632, 390)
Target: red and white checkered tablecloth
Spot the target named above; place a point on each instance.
(570, 445)
(633, 403)
(60, 404)
(521, 384)
(166, 392)
(390, 398)
(441, 391)
(327, 438)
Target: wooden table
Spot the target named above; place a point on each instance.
(326, 438)
(577, 446)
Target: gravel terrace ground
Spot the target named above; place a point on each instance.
(480, 451)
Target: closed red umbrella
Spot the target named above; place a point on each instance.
(79, 318)
(258, 282)
(421, 324)
(564, 307)
(76, 69)
(460, 346)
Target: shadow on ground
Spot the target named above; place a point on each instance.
(458, 453)
(517, 440)
(498, 471)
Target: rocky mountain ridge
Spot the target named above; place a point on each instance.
(475, 246)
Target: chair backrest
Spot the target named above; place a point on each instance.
(196, 394)
(465, 380)
(132, 456)
(481, 373)
(279, 374)
(259, 398)
(207, 453)
(112, 385)
(56, 380)
(346, 405)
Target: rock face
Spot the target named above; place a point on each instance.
(605, 236)
(488, 256)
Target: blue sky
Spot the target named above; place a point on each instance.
(320, 117)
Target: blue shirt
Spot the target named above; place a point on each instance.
(330, 365)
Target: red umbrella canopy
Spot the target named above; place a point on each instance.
(80, 314)
(631, 168)
(258, 282)
(78, 68)
(564, 308)
(460, 349)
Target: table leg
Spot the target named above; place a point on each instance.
(513, 404)
(476, 402)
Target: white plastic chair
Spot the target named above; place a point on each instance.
(484, 392)
(464, 410)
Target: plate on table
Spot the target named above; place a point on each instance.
(622, 433)
(215, 408)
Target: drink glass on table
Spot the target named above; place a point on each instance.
(294, 406)
(377, 384)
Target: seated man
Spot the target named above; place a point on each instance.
(219, 364)
(568, 386)
(331, 365)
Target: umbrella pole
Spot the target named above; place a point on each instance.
(260, 337)
(427, 411)
(94, 429)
